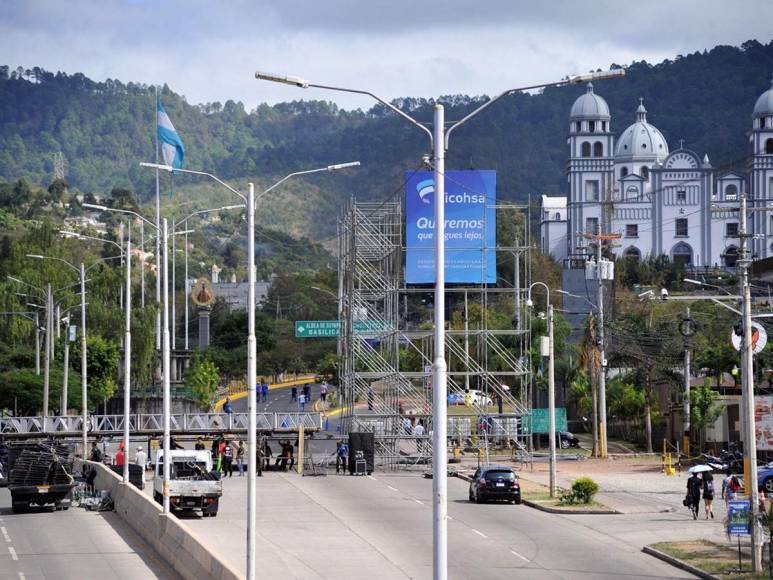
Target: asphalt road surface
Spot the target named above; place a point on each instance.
(351, 527)
(74, 544)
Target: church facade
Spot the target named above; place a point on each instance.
(659, 201)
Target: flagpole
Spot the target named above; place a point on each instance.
(158, 238)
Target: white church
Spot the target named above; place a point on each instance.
(658, 200)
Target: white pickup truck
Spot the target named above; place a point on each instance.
(192, 484)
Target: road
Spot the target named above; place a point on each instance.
(73, 544)
(340, 526)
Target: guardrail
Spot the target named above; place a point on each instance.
(153, 423)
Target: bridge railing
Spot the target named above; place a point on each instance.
(154, 422)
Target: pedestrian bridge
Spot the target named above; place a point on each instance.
(153, 424)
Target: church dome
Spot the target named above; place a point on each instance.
(590, 106)
(642, 139)
(764, 105)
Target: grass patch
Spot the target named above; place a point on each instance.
(716, 559)
(538, 493)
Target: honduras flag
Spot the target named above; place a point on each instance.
(171, 144)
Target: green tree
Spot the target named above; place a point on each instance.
(203, 378)
(704, 410)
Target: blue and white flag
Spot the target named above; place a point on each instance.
(171, 144)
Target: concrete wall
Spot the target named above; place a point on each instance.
(170, 537)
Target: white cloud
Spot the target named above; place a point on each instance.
(402, 48)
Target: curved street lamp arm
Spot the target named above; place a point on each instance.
(62, 260)
(124, 211)
(203, 211)
(384, 102)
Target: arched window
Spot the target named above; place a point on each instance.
(682, 254)
(631, 192)
(632, 253)
(730, 256)
(645, 173)
(731, 192)
(623, 172)
(557, 217)
(598, 149)
(769, 147)
(586, 149)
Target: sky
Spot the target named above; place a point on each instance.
(209, 50)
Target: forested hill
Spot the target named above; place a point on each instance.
(104, 129)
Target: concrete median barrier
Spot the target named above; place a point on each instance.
(174, 541)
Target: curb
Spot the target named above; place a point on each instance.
(567, 512)
(677, 563)
(551, 510)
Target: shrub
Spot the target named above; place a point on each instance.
(583, 489)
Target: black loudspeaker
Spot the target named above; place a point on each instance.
(361, 446)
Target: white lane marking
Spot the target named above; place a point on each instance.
(392, 488)
(5, 534)
(449, 517)
(14, 557)
(418, 501)
(481, 534)
(514, 553)
(22, 576)
(373, 478)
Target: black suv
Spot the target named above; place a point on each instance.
(495, 482)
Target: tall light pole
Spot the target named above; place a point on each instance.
(252, 354)
(439, 139)
(551, 386)
(127, 349)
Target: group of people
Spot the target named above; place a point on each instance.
(304, 396)
(695, 485)
(224, 452)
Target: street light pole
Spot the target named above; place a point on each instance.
(84, 373)
(439, 139)
(47, 355)
(165, 364)
(127, 354)
(551, 386)
(250, 200)
(37, 343)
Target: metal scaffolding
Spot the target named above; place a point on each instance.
(386, 343)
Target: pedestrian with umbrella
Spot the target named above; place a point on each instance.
(694, 488)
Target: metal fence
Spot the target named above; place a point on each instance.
(154, 423)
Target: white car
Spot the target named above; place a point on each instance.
(480, 399)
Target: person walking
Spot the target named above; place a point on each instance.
(267, 454)
(323, 392)
(307, 392)
(240, 451)
(96, 454)
(419, 432)
(259, 454)
(342, 455)
(119, 457)
(227, 406)
(228, 459)
(708, 493)
(693, 499)
(302, 401)
(294, 394)
(264, 388)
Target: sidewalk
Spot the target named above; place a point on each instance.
(650, 503)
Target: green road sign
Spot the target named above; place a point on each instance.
(539, 421)
(317, 328)
(332, 328)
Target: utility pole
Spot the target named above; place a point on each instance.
(37, 343)
(602, 273)
(66, 367)
(687, 331)
(747, 386)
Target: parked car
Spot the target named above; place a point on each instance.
(567, 440)
(478, 398)
(765, 479)
(497, 482)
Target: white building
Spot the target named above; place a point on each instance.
(658, 200)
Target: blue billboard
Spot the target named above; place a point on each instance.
(470, 227)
